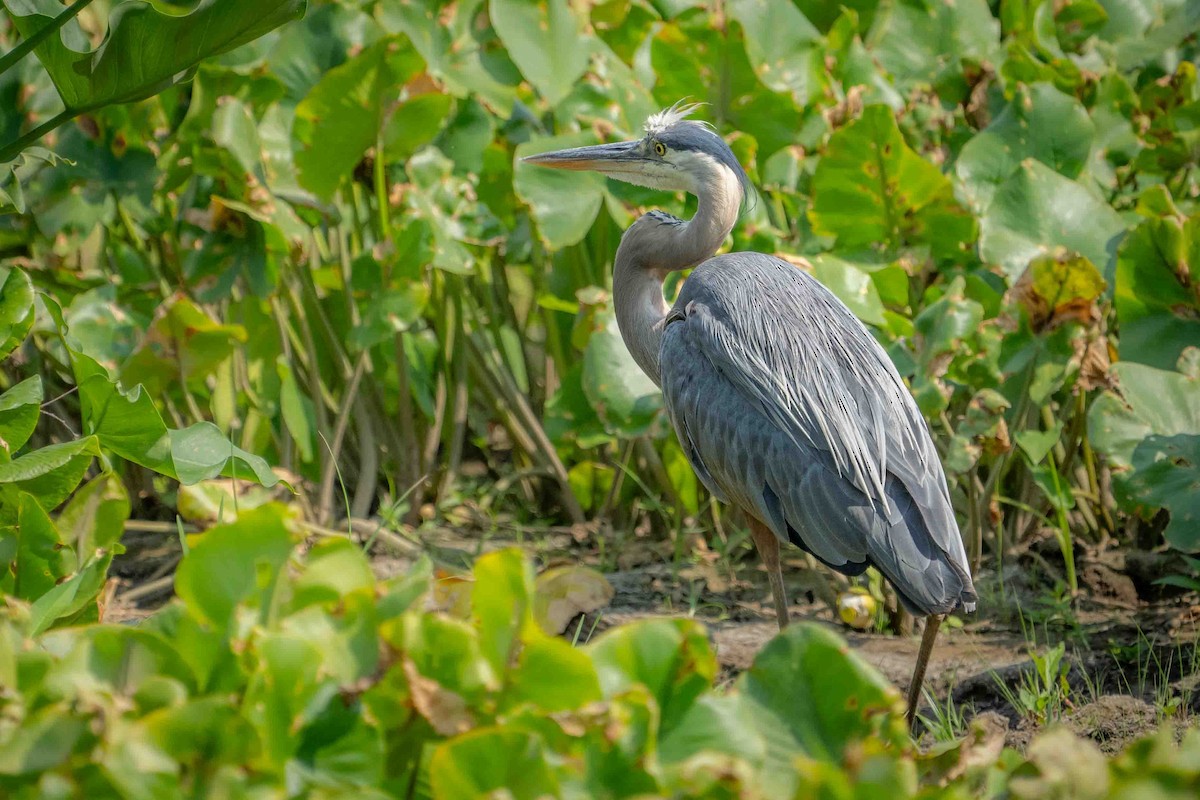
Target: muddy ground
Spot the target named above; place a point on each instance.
(1130, 643)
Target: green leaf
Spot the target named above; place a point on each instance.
(624, 397)
(340, 118)
(16, 308)
(925, 41)
(20, 408)
(50, 461)
(1156, 294)
(564, 203)
(147, 48)
(14, 173)
(782, 45)
(546, 40)
(1038, 209)
(871, 190)
(492, 762)
(852, 285)
(1040, 123)
(235, 563)
(201, 452)
(502, 604)
(813, 696)
(296, 409)
(671, 658)
(554, 676)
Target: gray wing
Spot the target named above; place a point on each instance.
(787, 406)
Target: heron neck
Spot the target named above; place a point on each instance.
(656, 245)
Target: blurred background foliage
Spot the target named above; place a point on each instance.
(325, 245)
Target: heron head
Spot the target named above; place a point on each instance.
(677, 154)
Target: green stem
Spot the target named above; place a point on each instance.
(14, 149)
(28, 44)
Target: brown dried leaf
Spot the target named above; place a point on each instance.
(562, 593)
(445, 710)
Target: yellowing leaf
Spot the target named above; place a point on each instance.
(564, 592)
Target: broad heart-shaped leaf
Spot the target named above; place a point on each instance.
(16, 308)
(782, 45)
(1038, 209)
(492, 762)
(1041, 123)
(925, 41)
(546, 40)
(1157, 295)
(146, 48)
(230, 564)
(1167, 474)
(624, 397)
(20, 408)
(340, 118)
(871, 190)
(564, 203)
(1149, 437)
(813, 696)
(183, 343)
(502, 605)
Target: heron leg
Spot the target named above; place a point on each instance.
(768, 548)
(918, 679)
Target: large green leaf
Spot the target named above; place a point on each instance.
(564, 203)
(812, 695)
(149, 46)
(1157, 295)
(671, 658)
(926, 41)
(624, 397)
(547, 41)
(233, 563)
(871, 190)
(1041, 123)
(492, 762)
(853, 286)
(782, 45)
(341, 117)
(1149, 435)
(1037, 210)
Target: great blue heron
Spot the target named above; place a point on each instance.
(783, 401)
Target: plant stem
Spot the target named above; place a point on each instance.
(28, 44)
(14, 149)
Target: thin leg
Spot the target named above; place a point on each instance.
(918, 679)
(768, 548)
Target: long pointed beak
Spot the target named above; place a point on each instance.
(600, 157)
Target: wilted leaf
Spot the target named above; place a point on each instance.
(562, 593)
(1060, 287)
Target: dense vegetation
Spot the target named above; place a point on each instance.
(267, 246)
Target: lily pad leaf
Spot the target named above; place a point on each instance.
(624, 397)
(1037, 210)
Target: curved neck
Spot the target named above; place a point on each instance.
(655, 245)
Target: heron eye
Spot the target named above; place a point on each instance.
(660, 148)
